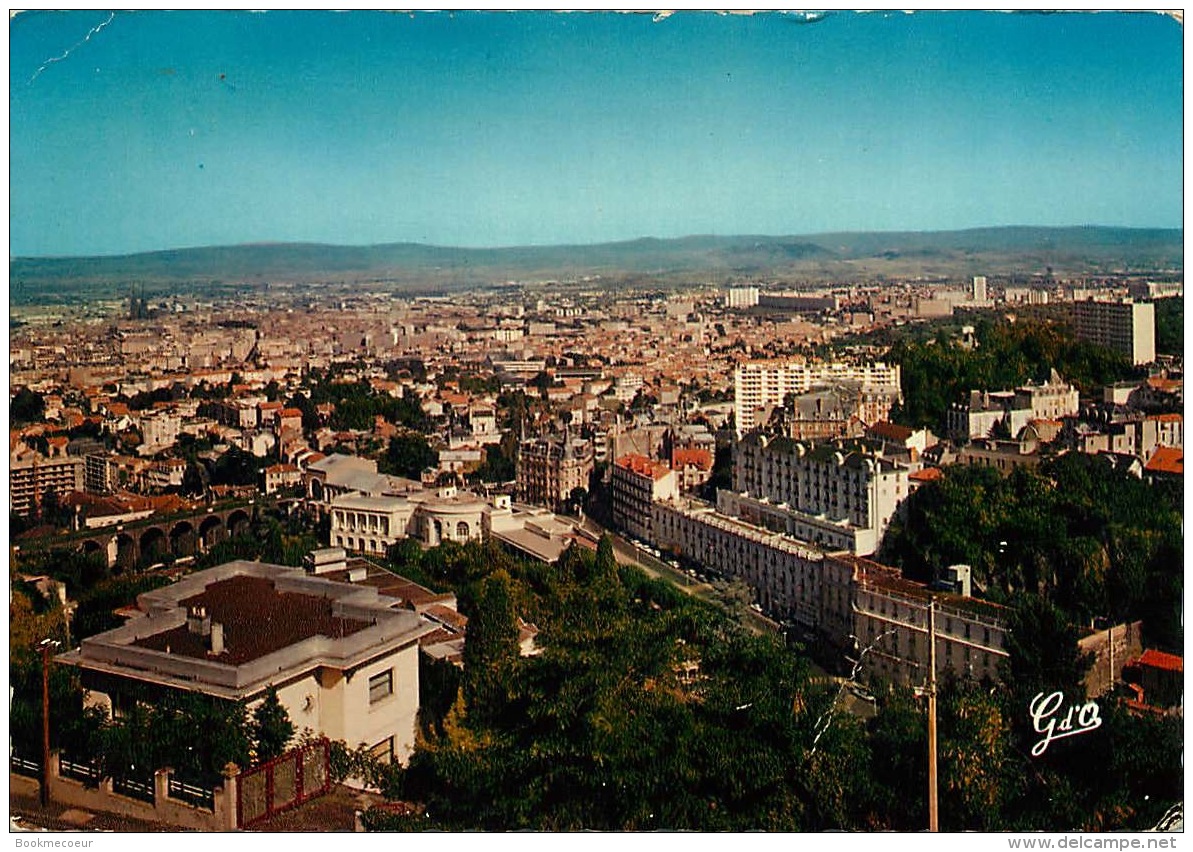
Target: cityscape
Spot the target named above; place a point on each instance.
(402, 506)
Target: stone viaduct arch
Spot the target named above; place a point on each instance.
(125, 547)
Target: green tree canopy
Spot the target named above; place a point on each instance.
(272, 729)
(408, 455)
(26, 407)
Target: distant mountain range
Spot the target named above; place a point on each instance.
(411, 267)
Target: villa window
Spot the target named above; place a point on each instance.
(383, 751)
(381, 686)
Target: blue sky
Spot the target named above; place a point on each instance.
(173, 129)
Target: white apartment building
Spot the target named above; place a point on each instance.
(1156, 289)
(789, 577)
(159, 431)
(982, 412)
(371, 523)
(637, 482)
(890, 629)
(1169, 430)
(1127, 327)
(865, 610)
(343, 661)
(626, 387)
(832, 495)
(31, 476)
(759, 383)
(164, 474)
(737, 298)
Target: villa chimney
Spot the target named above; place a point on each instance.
(217, 639)
(198, 621)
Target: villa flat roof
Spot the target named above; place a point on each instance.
(257, 620)
(278, 622)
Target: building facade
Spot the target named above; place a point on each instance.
(1127, 327)
(760, 383)
(343, 661)
(32, 476)
(835, 495)
(549, 469)
(737, 298)
(637, 482)
(788, 576)
(890, 630)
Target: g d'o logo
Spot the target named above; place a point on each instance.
(1047, 719)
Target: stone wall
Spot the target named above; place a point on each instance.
(163, 809)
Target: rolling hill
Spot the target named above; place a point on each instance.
(411, 267)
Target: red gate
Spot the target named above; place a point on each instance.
(283, 783)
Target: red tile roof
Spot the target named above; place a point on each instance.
(1160, 660)
(1167, 460)
(892, 431)
(643, 466)
(695, 457)
(1166, 418)
(928, 474)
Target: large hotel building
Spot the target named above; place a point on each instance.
(834, 495)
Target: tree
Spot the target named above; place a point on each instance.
(978, 768)
(310, 416)
(53, 512)
(26, 407)
(1042, 653)
(196, 734)
(491, 648)
(606, 560)
(272, 728)
(541, 382)
(235, 467)
(576, 498)
(194, 479)
(408, 455)
(493, 627)
(1170, 325)
(405, 554)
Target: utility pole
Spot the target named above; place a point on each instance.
(933, 820)
(1110, 644)
(46, 646)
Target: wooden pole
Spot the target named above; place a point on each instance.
(45, 648)
(933, 819)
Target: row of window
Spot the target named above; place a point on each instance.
(918, 617)
(362, 521)
(371, 545)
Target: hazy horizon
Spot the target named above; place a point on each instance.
(681, 237)
(149, 131)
